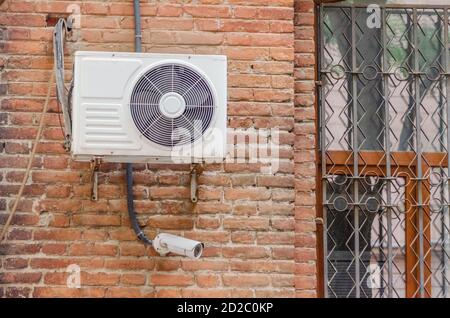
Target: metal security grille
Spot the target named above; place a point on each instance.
(384, 140)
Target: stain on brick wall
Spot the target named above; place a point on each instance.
(258, 228)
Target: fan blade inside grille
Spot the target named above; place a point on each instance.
(199, 100)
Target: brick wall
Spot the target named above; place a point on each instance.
(304, 149)
(258, 229)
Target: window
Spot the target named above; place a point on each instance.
(384, 115)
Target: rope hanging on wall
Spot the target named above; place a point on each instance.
(30, 160)
(61, 28)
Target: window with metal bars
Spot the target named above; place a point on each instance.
(384, 141)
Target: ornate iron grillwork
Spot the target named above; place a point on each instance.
(384, 141)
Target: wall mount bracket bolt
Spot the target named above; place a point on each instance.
(195, 171)
(95, 165)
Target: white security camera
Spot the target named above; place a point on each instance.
(165, 243)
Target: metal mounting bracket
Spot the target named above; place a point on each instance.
(64, 99)
(67, 143)
(319, 221)
(196, 169)
(95, 165)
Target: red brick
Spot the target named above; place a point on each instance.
(207, 11)
(207, 280)
(21, 219)
(19, 235)
(246, 280)
(85, 249)
(244, 26)
(128, 292)
(170, 193)
(275, 13)
(246, 224)
(58, 191)
(15, 263)
(132, 249)
(133, 279)
(212, 236)
(169, 11)
(168, 293)
(172, 279)
(171, 222)
(17, 292)
(243, 237)
(64, 292)
(206, 293)
(19, 278)
(56, 176)
(208, 223)
(62, 263)
(167, 265)
(57, 234)
(56, 205)
(201, 265)
(245, 252)
(257, 194)
(19, 249)
(130, 264)
(94, 8)
(54, 249)
(28, 20)
(97, 220)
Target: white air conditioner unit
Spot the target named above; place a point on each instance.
(136, 107)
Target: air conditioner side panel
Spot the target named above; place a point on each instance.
(99, 106)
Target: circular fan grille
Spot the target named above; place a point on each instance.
(172, 105)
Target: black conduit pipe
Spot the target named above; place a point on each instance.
(137, 27)
(129, 167)
(130, 204)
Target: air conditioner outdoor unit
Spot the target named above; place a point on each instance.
(142, 107)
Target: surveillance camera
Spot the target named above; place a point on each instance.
(165, 243)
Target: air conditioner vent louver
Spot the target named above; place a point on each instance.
(172, 104)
